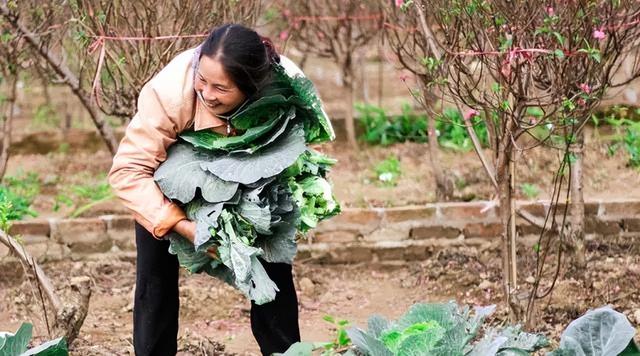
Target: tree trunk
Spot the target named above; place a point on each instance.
(349, 122)
(69, 78)
(576, 206)
(69, 314)
(7, 125)
(444, 185)
(505, 173)
(380, 73)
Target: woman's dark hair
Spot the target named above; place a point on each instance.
(244, 55)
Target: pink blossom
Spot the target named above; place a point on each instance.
(585, 88)
(598, 34)
(404, 77)
(550, 11)
(533, 120)
(284, 35)
(471, 113)
(399, 3)
(581, 102)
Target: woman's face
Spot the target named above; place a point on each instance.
(215, 88)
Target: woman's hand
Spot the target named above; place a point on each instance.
(187, 229)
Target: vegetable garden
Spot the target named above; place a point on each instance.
(448, 178)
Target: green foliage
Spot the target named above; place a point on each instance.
(627, 132)
(44, 116)
(381, 129)
(388, 171)
(341, 340)
(16, 196)
(82, 197)
(452, 132)
(531, 191)
(18, 343)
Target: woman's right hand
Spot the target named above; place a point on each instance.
(187, 229)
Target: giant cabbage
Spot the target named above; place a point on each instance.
(251, 195)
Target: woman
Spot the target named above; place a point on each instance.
(195, 91)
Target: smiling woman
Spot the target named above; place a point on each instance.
(200, 89)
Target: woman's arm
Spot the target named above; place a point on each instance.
(143, 148)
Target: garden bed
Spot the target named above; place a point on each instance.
(352, 292)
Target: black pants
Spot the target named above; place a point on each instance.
(156, 303)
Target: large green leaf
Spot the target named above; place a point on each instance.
(181, 175)
(16, 344)
(368, 344)
(205, 215)
(272, 136)
(57, 347)
(213, 141)
(602, 331)
(271, 160)
(188, 258)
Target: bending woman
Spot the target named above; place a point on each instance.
(197, 90)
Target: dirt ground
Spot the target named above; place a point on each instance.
(214, 316)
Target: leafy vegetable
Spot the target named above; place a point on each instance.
(442, 329)
(250, 194)
(602, 331)
(17, 344)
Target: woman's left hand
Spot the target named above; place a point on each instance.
(187, 229)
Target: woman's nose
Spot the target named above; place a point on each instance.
(207, 95)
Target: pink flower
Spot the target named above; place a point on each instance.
(399, 3)
(598, 34)
(404, 77)
(585, 88)
(550, 11)
(471, 113)
(581, 102)
(284, 35)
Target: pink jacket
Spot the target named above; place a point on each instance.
(167, 105)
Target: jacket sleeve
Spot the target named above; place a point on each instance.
(142, 149)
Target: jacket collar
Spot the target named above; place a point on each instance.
(203, 119)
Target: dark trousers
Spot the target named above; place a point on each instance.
(156, 303)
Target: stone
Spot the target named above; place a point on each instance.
(485, 284)
(84, 235)
(604, 227)
(121, 230)
(389, 233)
(350, 254)
(36, 227)
(466, 211)
(487, 230)
(307, 287)
(434, 232)
(621, 208)
(631, 225)
(410, 213)
(337, 236)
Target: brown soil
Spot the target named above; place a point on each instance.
(215, 314)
